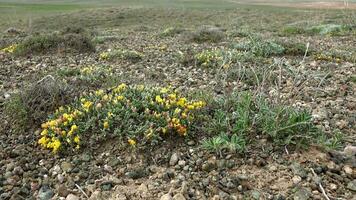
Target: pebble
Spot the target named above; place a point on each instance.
(174, 159)
(45, 193)
(72, 197)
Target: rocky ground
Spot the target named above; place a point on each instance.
(182, 169)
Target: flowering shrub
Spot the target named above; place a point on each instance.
(130, 55)
(138, 113)
(9, 49)
(216, 58)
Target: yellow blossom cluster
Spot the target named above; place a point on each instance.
(141, 113)
(9, 49)
(215, 58)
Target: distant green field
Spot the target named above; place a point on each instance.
(20, 13)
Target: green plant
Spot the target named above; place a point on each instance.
(233, 143)
(283, 124)
(51, 43)
(334, 142)
(117, 54)
(291, 30)
(259, 47)
(207, 34)
(171, 31)
(216, 58)
(17, 113)
(138, 113)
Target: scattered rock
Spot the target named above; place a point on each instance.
(66, 166)
(302, 194)
(45, 193)
(299, 170)
(179, 196)
(72, 197)
(352, 185)
(174, 159)
(166, 197)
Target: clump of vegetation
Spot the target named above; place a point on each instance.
(233, 143)
(65, 42)
(324, 29)
(171, 31)
(237, 118)
(217, 58)
(118, 54)
(89, 76)
(10, 49)
(33, 103)
(329, 29)
(294, 48)
(138, 113)
(291, 30)
(207, 34)
(260, 48)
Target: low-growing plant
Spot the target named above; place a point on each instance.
(291, 30)
(217, 58)
(259, 47)
(138, 113)
(284, 125)
(207, 34)
(33, 103)
(52, 43)
(233, 143)
(171, 31)
(335, 141)
(240, 116)
(129, 55)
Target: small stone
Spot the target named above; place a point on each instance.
(350, 151)
(333, 186)
(296, 179)
(66, 167)
(255, 194)
(18, 170)
(302, 194)
(106, 186)
(179, 196)
(62, 191)
(181, 163)
(72, 197)
(166, 197)
(348, 170)
(299, 170)
(45, 193)
(352, 185)
(85, 157)
(174, 159)
(143, 188)
(60, 178)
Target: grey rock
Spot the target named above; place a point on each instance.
(66, 166)
(255, 194)
(302, 194)
(179, 196)
(45, 193)
(72, 197)
(299, 170)
(166, 197)
(174, 159)
(352, 185)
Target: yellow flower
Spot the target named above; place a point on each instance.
(190, 107)
(99, 92)
(120, 88)
(44, 132)
(132, 142)
(164, 90)
(106, 125)
(149, 132)
(87, 105)
(56, 145)
(177, 111)
(140, 87)
(164, 130)
(172, 96)
(119, 98)
(76, 139)
(43, 141)
(110, 114)
(181, 102)
(64, 133)
(45, 125)
(159, 99)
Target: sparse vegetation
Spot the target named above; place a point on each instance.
(206, 34)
